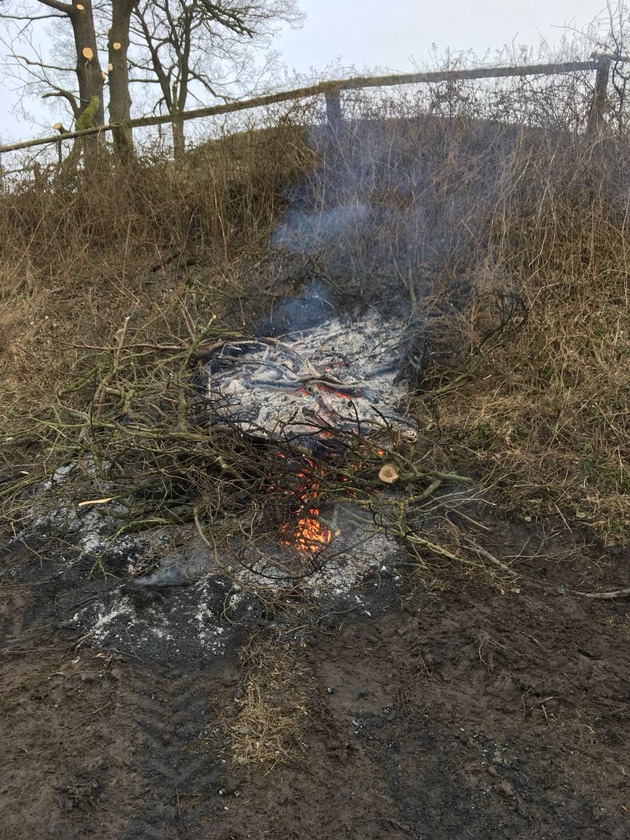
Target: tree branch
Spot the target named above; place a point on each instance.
(29, 18)
(69, 96)
(31, 63)
(65, 8)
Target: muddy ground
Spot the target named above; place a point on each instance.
(441, 705)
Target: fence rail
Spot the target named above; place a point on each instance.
(332, 90)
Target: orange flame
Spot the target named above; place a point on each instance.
(308, 534)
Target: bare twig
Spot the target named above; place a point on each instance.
(605, 596)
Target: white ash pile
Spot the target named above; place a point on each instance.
(339, 375)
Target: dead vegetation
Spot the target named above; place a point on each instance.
(501, 249)
(271, 705)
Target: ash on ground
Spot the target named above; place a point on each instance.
(191, 602)
(335, 376)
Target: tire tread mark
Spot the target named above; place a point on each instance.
(179, 768)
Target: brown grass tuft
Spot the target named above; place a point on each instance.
(272, 708)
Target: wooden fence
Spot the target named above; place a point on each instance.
(332, 91)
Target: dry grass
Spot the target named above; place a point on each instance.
(547, 412)
(152, 241)
(466, 223)
(272, 707)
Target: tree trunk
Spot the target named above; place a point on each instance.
(179, 138)
(90, 79)
(119, 96)
(88, 67)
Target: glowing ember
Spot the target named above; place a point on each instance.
(308, 534)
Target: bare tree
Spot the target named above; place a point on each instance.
(184, 46)
(84, 20)
(178, 45)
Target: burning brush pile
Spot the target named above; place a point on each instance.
(285, 450)
(329, 458)
(294, 462)
(289, 456)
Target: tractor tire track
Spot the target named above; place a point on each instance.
(177, 751)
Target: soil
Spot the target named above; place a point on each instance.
(439, 703)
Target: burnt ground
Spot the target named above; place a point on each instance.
(442, 705)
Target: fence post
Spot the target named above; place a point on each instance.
(600, 94)
(334, 115)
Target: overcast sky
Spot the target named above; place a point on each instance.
(394, 35)
(399, 34)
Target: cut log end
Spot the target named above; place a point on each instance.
(388, 474)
